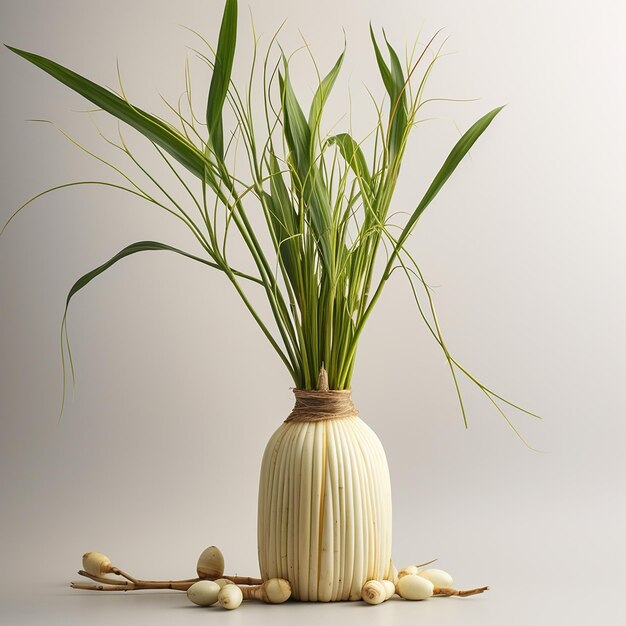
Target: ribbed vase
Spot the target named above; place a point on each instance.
(324, 518)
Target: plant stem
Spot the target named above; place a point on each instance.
(447, 591)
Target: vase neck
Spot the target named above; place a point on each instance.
(314, 406)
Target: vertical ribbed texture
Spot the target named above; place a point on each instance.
(324, 519)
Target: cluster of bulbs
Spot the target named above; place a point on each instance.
(212, 586)
(411, 583)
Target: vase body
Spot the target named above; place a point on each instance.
(324, 517)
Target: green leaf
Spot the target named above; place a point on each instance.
(450, 164)
(284, 223)
(398, 99)
(312, 190)
(221, 76)
(297, 131)
(162, 134)
(382, 66)
(353, 156)
(309, 185)
(393, 79)
(320, 97)
(286, 217)
(140, 246)
(286, 245)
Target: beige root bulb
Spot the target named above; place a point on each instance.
(413, 587)
(97, 564)
(230, 597)
(272, 591)
(374, 592)
(210, 563)
(204, 592)
(410, 570)
(438, 577)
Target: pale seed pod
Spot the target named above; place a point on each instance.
(438, 577)
(97, 564)
(230, 597)
(374, 592)
(390, 589)
(272, 591)
(410, 570)
(222, 582)
(203, 593)
(210, 563)
(413, 587)
(275, 591)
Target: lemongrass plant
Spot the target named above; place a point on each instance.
(326, 206)
(331, 247)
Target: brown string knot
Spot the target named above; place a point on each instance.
(313, 406)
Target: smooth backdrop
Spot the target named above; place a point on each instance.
(158, 452)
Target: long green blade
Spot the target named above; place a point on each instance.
(398, 109)
(353, 156)
(320, 97)
(312, 190)
(221, 76)
(461, 148)
(297, 130)
(382, 66)
(140, 246)
(151, 127)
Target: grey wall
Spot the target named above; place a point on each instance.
(158, 453)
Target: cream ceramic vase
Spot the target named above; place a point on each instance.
(324, 517)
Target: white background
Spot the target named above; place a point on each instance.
(157, 456)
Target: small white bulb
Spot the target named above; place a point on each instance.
(373, 592)
(438, 577)
(413, 587)
(230, 596)
(275, 591)
(203, 593)
(410, 570)
(222, 582)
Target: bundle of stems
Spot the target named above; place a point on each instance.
(326, 206)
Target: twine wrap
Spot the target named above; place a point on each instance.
(314, 406)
